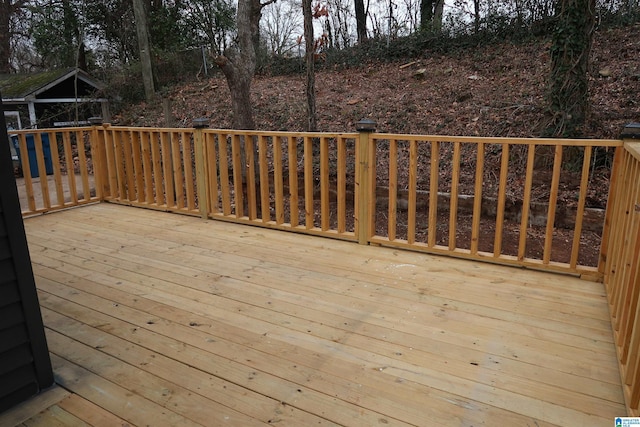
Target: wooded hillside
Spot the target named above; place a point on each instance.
(495, 90)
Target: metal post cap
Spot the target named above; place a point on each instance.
(366, 125)
(631, 131)
(201, 123)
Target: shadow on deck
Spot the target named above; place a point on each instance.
(52, 188)
(161, 319)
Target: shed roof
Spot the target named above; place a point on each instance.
(21, 87)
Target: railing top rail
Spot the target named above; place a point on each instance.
(377, 135)
(48, 130)
(237, 132)
(502, 140)
(633, 148)
(285, 133)
(143, 128)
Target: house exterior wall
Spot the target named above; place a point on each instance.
(25, 366)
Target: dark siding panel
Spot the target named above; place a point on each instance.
(15, 358)
(17, 386)
(8, 294)
(13, 337)
(14, 379)
(25, 367)
(19, 395)
(12, 315)
(5, 249)
(7, 273)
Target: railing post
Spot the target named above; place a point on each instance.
(201, 166)
(99, 158)
(363, 225)
(630, 137)
(621, 242)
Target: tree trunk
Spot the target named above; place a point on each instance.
(329, 32)
(437, 15)
(82, 57)
(254, 21)
(570, 49)
(476, 15)
(256, 15)
(239, 76)
(142, 30)
(426, 14)
(5, 37)
(238, 65)
(309, 51)
(7, 9)
(431, 15)
(81, 54)
(361, 20)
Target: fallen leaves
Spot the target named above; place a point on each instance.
(500, 89)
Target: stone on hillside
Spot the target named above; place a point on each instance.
(605, 72)
(420, 74)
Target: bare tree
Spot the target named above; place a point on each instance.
(340, 15)
(282, 23)
(213, 21)
(412, 12)
(361, 20)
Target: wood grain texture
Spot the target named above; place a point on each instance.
(29, 409)
(159, 318)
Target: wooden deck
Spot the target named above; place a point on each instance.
(162, 319)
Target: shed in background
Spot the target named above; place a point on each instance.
(46, 98)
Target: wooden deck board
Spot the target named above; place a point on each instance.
(19, 414)
(89, 412)
(194, 321)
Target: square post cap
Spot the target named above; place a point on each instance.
(631, 131)
(201, 123)
(366, 125)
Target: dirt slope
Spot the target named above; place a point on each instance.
(490, 91)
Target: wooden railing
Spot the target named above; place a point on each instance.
(284, 180)
(507, 200)
(513, 201)
(621, 249)
(288, 180)
(151, 168)
(498, 200)
(57, 168)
